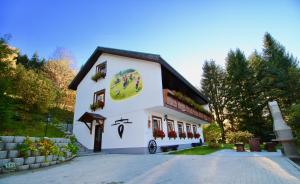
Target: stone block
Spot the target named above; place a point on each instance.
(39, 159)
(18, 161)
(7, 139)
(34, 166)
(29, 160)
(1, 145)
(3, 154)
(11, 146)
(4, 161)
(22, 167)
(45, 164)
(19, 139)
(13, 154)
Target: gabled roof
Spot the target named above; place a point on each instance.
(131, 54)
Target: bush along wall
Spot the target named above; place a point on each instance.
(21, 153)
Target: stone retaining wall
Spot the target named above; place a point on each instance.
(10, 159)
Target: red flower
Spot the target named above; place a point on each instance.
(196, 135)
(190, 135)
(158, 133)
(182, 135)
(172, 134)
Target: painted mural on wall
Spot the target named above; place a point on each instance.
(125, 84)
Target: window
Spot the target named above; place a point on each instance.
(99, 98)
(194, 129)
(170, 125)
(188, 128)
(101, 67)
(180, 127)
(157, 123)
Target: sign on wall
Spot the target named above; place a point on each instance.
(125, 84)
(121, 123)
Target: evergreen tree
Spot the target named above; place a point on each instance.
(214, 87)
(281, 82)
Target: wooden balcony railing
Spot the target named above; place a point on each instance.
(172, 102)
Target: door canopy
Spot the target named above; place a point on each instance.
(88, 118)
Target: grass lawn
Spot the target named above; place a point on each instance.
(202, 150)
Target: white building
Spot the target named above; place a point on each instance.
(127, 100)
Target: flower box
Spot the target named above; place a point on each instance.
(98, 75)
(182, 135)
(97, 105)
(197, 136)
(190, 135)
(158, 133)
(172, 134)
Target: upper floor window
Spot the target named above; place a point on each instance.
(99, 100)
(100, 72)
(101, 68)
(188, 128)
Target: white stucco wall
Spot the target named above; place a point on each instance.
(132, 108)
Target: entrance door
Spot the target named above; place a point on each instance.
(98, 138)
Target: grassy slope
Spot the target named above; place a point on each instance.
(26, 123)
(202, 150)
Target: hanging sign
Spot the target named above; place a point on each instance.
(121, 123)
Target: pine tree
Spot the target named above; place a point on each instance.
(213, 86)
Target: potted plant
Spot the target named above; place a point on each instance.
(182, 135)
(158, 133)
(190, 135)
(197, 135)
(239, 138)
(98, 76)
(97, 105)
(172, 134)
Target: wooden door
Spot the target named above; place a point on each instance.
(98, 138)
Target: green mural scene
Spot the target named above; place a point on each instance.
(125, 84)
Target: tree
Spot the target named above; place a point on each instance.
(245, 94)
(34, 90)
(214, 87)
(282, 69)
(34, 63)
(60, 72)
(7, 56)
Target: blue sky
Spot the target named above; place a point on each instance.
(185, 33)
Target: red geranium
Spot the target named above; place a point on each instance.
(196, 135)
(172, 134)
(182, 135)
(190, 135)
(158, 133)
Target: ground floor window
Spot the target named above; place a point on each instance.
(188, 128)
(170, 125)
(180, 127)
(194, 129)
(156, 123)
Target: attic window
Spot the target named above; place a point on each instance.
(100, 72)
(101, 68)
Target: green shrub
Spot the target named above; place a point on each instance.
(212, 133)
(238, 137)
(24, 150)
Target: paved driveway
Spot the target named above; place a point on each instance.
(144, 169)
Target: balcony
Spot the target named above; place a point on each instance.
(172, 102)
